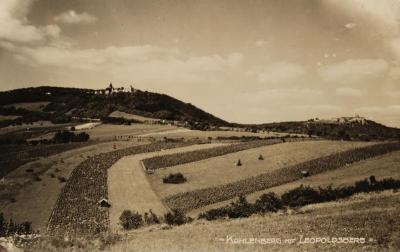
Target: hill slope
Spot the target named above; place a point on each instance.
(65, 103)
(355, 128)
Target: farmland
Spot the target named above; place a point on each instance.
(219, 134)
(110, 132)
(192, 156)
(30, 191)
(128, 187)
(87, 185)
(132, 117)
(222, 170)
(201, 197)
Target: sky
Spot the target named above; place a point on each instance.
(244, 61)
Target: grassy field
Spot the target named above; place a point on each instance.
(187, 201)
(34, 199)
(132, 117)
(370, 216)
(128, 188)
(109, 131)
(222, 170)
(106, 132)
(191, 134)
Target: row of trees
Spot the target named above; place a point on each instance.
(134, 220)
(297, 197)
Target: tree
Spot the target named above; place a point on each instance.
(131, 220)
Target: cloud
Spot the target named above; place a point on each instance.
(347, 91)
(141, 63)
(14, 26)
(354, 70)
(71, 17)
(279, 72)
(350, 25)
(260, 43)
(382, 13)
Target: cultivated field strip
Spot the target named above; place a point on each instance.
(77, 209)
(202, 197)
(164, 161)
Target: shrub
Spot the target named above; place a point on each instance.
(300, 196)
(240, 208)
(213, 214)
(174, 178)
(268, 202)
(131, 220)
(66, 136)
(176, 217)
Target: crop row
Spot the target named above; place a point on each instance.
(169, 160)
(77, 209)
(202, 197)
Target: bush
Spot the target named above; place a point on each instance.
(176, 217)
(300, 196)
(66, 136)
(174, 178)
(131, 220)
(268, 202)
(240, 208)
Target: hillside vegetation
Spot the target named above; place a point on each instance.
(66, 103)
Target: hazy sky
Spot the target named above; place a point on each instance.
(245, 61)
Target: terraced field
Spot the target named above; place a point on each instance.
(128, 187)
(222, 170)
(190, 200)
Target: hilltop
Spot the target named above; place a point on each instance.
(346, 128)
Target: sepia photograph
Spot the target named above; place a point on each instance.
(199, 125)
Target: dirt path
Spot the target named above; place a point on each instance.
(129, 189)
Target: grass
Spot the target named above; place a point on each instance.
(221, 170)
(108, 131)
(358, 216)
(132, 116)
